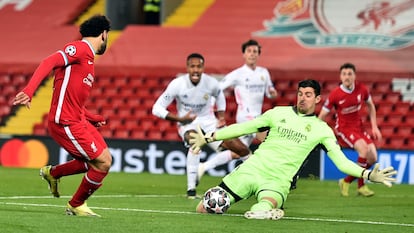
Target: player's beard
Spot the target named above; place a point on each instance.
(101, 49)
(195, 78)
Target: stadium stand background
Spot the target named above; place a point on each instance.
(142, 59)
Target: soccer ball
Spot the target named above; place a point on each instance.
(216, 200)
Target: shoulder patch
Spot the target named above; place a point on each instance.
(70, 50)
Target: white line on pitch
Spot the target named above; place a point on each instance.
(95, 196)
(232, 215)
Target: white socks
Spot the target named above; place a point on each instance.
(193, 160)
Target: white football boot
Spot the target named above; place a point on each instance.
(273, 214)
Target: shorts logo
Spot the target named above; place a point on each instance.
(70, 50)
(376, 25)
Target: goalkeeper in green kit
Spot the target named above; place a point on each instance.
(293, 132)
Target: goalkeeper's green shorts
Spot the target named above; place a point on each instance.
(246, 181)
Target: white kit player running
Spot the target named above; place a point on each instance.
(250, 83)
(194, 93)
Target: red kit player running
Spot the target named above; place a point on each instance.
(348, 99)
(70, 124)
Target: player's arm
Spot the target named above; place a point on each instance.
(159, 109)
(271, 91)
(323, 113)
(327, 106)
(95, 119)
(199, 139)
(340, 160)
(229, 80)
(220, 102)
(373, 119)
(186, 119)
(42, 71)
(221, 119)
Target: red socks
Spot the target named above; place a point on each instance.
(90, 183)
(69, 168)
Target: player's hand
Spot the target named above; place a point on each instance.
(199, 139)
(221, 122)
(376, 133)
(272, 92)
(95, 119)
(99, 123)
(380, 176)
(22, 98)
(188, 118)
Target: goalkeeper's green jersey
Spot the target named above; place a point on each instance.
(291, 137)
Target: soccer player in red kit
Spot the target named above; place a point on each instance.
(70, 124)
(348, 99)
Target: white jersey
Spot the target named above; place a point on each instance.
(195, 98)
(250, 87)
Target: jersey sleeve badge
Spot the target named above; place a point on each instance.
(70, 50)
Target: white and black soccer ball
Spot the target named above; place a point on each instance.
(216, 200)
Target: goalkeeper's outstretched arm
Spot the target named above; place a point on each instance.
(345, 165)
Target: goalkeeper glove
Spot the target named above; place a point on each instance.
(199, 139)
(380, 176)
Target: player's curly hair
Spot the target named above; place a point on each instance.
(94, 26)
(250, 43)
(311, 83)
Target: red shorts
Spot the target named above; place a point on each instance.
(348, 137)
(81, 140)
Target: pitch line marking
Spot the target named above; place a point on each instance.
(232, 215)
(93, 197)
(143, 196)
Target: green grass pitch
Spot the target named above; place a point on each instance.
(157, 203)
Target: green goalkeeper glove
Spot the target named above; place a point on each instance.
(383, 176)
(199, 139)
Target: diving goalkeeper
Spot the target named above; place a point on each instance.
(293, 132)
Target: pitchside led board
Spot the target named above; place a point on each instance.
(402, 161)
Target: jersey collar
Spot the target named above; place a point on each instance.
(295, 109)
(90, 46)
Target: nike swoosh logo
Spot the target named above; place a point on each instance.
(90, 63)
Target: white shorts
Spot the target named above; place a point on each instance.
(207, 125)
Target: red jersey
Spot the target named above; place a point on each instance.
(74, 77)
(348, 105)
